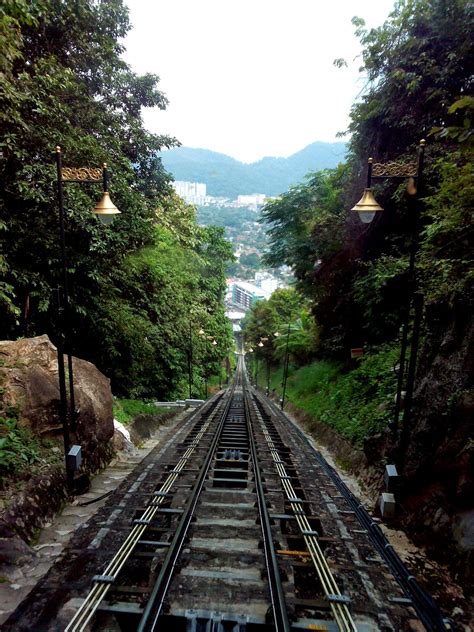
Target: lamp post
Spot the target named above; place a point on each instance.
(201, 332)
(207, 372)
(250, 350)
(367, 208)
(260, 345)
(106, 211)
(285, 367)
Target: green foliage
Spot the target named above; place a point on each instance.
(356, 403)
(126, 410)
(419, 74)
(251, 260)
(140, 333)
(375, 289)
(280, 322)
(64, 82)
(417, 63)
(355, 278)
(463, 131)
(305, 225)
(446, 254)
(21, 451)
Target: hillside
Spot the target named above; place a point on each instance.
(228, 177)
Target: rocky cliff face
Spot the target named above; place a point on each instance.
(439, 462)
(29, 381)
(29, 389)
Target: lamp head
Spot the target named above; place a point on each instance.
(367, 206)
(106, 209)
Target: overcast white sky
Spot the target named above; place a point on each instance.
(251, 78)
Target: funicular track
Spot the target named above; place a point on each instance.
(244, 528)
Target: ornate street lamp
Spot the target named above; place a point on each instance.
(105, 208)
(367, 208)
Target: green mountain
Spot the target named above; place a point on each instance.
(227, 177)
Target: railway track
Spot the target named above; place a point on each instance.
(238, 526)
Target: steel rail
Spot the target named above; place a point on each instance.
(154, 605)
(340, 610)
(100, 589)
(280, 613)
(425, 606)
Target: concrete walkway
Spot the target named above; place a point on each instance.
(16, 581)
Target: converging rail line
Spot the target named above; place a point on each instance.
(238, 525)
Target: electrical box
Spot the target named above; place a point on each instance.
(387, 505)
(391, 478)
(74, 458)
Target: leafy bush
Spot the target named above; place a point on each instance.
(356, 403)
(125, 410)
(20, 448)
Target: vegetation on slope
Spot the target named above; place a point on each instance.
(353, 278)
(134, 285)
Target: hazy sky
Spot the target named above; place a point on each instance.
(251, 78)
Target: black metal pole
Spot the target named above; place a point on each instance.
(285, 367)
(65, 307)
(268, 376)
(411, 291)
(369, 172)
(411, 373)
(61, 311)
(105, 177)
(190, 361)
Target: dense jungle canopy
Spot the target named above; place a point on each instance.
(140, 289)
(419, 68)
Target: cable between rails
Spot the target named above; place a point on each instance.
(100, 589)
(341, 613)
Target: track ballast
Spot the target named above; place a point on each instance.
(235, 524)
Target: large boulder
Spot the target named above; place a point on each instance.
(29, 382)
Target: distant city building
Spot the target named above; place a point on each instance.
(244, 294)
(267, 282)
(235, 317)
(191, 192)
(254, 200)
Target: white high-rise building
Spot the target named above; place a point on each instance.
(191, 192)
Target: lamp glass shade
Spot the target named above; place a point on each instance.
(366, 216)
(106, 209)
(367, 207)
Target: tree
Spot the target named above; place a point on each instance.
(65, 83)
(419, 69)
(416, 64)
(251, 260)
(268, 322)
